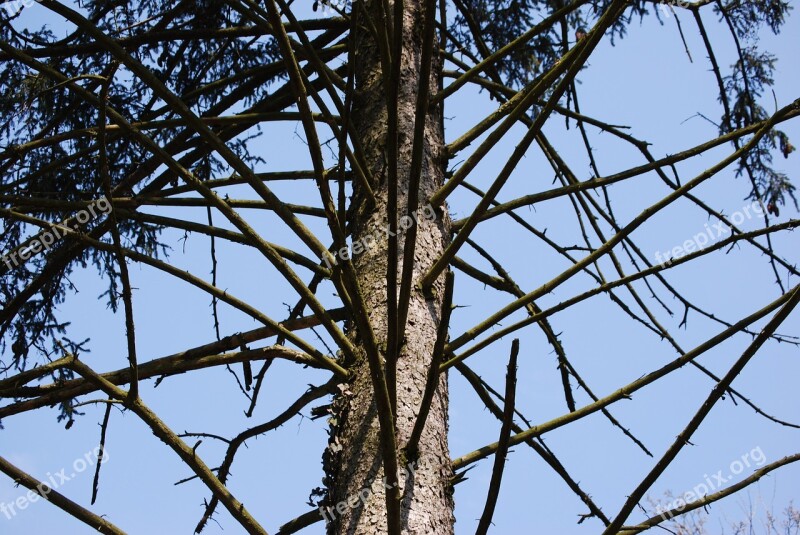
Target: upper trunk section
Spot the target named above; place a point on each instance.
(354, 464)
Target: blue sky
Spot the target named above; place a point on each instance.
(646, 82)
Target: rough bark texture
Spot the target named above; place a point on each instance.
(353, 461)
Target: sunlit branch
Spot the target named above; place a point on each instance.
(312, 394)
(628, 390)
(188, 455)
(195, 281)
(96, 523)
(500, 333)
(708, 499)
(219, 203)
(625, 231)
(716, 394)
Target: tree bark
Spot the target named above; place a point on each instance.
(355, 502)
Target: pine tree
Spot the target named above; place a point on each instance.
(147, 107)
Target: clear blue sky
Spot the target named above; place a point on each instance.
(646, 82)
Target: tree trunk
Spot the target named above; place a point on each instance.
(353, 462)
